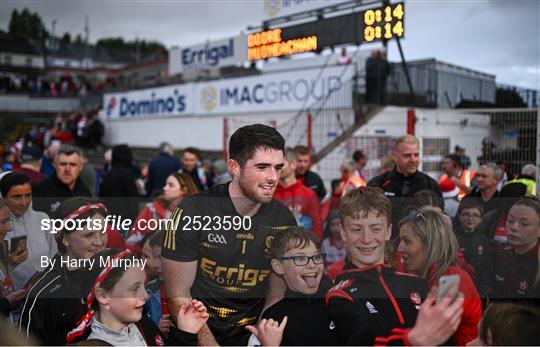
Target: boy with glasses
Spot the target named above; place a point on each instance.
(298, 259)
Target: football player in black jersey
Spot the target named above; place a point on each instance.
(218, 247)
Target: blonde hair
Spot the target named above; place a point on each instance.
(435, 232)
(408, 139)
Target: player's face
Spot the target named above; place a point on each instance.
(407, 158)
(302, 164)
(412, 249)
(303, 279)
(522, 228)
(19, 198)
(366, 237)
(259, 176)
(68, 167)
(128, 296)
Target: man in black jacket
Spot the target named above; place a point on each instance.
(160, 168)
(371, 303)
(65, 183)
(118, 187)
(309, 178)
(402, 183)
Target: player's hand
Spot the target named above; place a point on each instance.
(269, 332)
(165, 323)
(192, 316)
(19, 255)
(436, 322)
(15, 298)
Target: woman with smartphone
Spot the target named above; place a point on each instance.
(9, 299)
(29, 240)
(54, 304)
(429, 249)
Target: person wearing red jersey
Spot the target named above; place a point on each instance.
(301, 200)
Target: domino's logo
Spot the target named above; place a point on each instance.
(111, 105)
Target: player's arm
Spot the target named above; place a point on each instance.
(180, 254)
(179, 277)
(275, 292)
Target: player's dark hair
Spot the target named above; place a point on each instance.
(12, 179)
(246, 140)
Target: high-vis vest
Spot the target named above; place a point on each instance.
(465, 178)
(352, 183)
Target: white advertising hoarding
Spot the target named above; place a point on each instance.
(286, 91)
(291, 91)
(153, 102)
(210, 55)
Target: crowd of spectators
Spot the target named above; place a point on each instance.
(400, 221)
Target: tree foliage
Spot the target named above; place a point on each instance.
(27, 24)
(144, 47)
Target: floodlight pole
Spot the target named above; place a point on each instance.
(405, 69)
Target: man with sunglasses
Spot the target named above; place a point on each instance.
(371, 303)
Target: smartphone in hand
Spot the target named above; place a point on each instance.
(15, 241)
(446, 285)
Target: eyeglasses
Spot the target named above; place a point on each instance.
(303, 260)
(471, 215)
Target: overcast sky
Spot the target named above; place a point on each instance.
(496, 37)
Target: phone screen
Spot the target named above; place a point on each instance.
(15, 242)
(445, 284)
